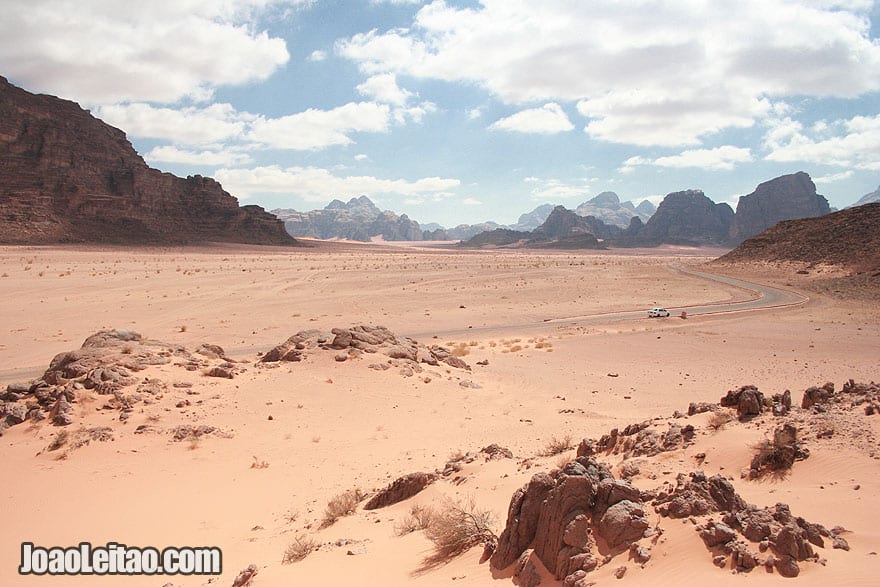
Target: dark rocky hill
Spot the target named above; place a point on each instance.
(358, 219)
(683, 218)
(66, 176)
(784, 198)
(849, 239)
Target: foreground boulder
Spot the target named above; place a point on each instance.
(564, 515)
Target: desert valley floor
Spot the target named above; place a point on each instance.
(556, 360)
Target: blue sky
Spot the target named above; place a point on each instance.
(464, 111)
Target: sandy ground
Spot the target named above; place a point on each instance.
(338, 426)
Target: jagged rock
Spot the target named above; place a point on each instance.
(747, 400)
(220, 371)
(783, 198)
(701, 407)
(244, 578)
(696, 495)
(212, 351)
(401, 489)
(816, 395)
(684, 218)
(716, 533)
(782, 403)
(65, 176)
(358, 219)
(556, 515)
(495, 452)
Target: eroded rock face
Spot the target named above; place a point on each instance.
(783, 198)
(563, 515)
(65, 176)
(685, 218)
(401, 489)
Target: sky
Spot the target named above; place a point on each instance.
(466, 111)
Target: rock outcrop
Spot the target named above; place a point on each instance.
(848, 239)
(784, 198)
(608, 208)
(358, 219)
(65, 176)
(564, 515)
(683, 218)
(402, 488)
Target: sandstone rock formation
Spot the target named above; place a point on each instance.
(564, 514)
(608, 208)
(402, 351)
(783, 198)
(684, 218)
(848, 239)
(65, 176)
(401, 489)
(358, 219)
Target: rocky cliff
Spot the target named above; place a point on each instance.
(683, 218)
(608, 208)
(66, 176)
(784, 198)
(358, 219)
(849, 238)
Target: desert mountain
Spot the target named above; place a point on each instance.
(608, 208)
(563, 229)
(849, 239)
(66, 176)
(534, 219)
(684, 218)
(871, 198)
(784, 198)
(358, 219)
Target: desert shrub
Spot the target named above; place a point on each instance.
(59, 440)
(458, 527)
(718, 419)
(341, 505)
(556, 446)
(777, 455)
(460, 350)
(418, 518)
(301, 547)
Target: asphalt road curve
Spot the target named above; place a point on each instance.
(755, 297)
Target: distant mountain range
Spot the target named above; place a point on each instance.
(683, 218)
(871, 198)
(360, 219)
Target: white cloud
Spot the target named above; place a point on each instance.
(834, 177)
(720, 158)
(317, 184)
(471, 202)
(555, 190)
(383, 88)
(548, 119)
(188, 126)
(475, 113)
(414, 113)
(105, 51)
(317, 55)
(852, 143)
(643, 72)
(361, 157)
(170, 154)
(317, 129)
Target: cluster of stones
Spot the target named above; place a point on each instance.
(782, 539)
(105, 364)
(358, 340)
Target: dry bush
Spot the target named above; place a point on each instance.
(259, 464)
(458, 527)
(418, 518)
(342, 505)
(460, 350)
(718, 419)
(556, 446)
(59, 440)
(778, 455)
(301, 547)
(515, 348)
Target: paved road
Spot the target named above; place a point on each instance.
(755, 297)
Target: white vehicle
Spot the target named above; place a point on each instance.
(658, 313)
